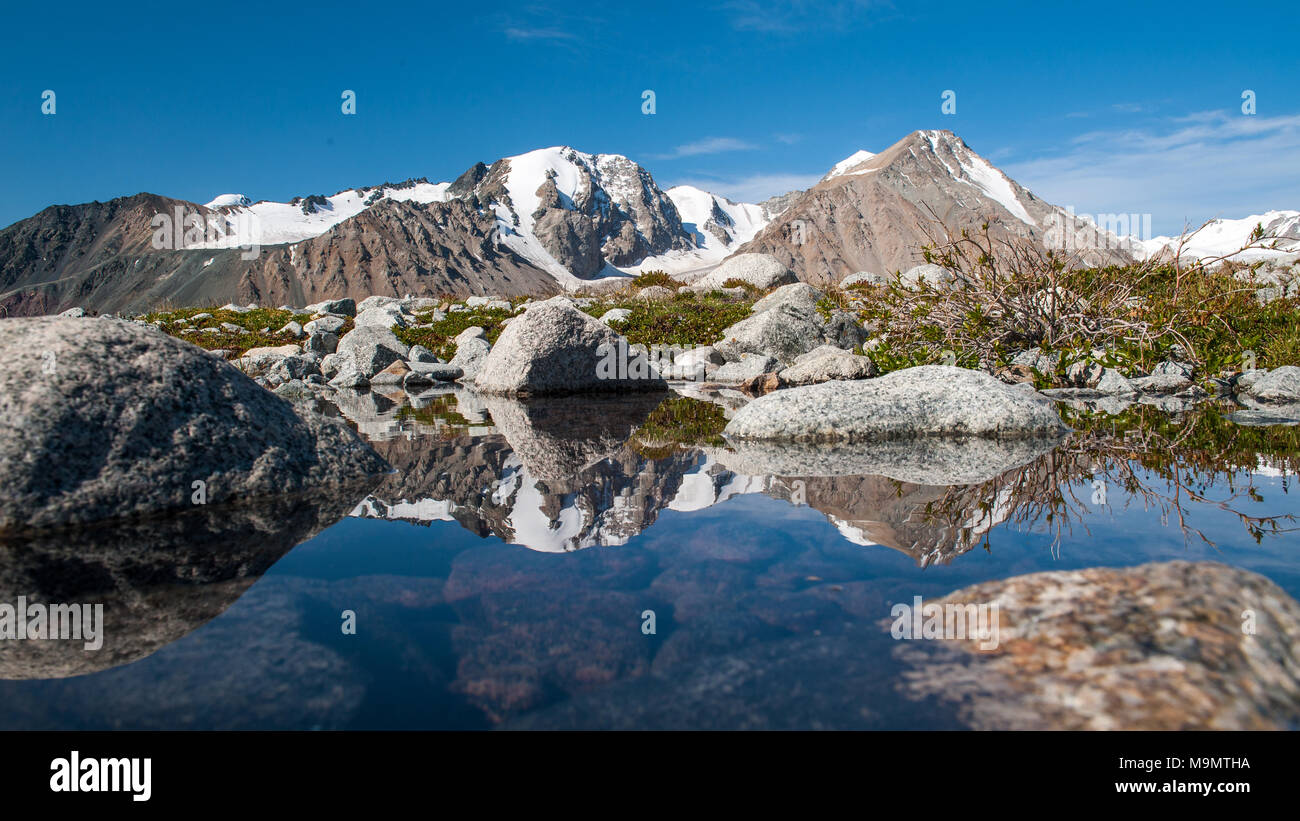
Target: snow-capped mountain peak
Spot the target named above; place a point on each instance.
(228, 201)
(302, 218)
(1221, 237)
(848, 164)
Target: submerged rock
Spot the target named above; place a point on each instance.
(102, 419)
(158, 578)
(1162, 646)
(931, 400)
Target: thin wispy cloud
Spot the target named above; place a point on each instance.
(793, 16)
(709, 145)
(754, 187)
(555, 34)
(1184, 169)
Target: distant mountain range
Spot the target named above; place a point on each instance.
(536, 223)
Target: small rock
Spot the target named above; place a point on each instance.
(387, 316)
(762, 384)
(1277, 387)
(343, 307)
(1160, 383)
(322, 343)
(831, 365)
(865, 278)
(437, 371)
(933, 275)
(744, 369)
(394, 374)
(1084, 373)
(325, 324)
(655, 293)
(419, 353)
(616, 315)
(350, 378)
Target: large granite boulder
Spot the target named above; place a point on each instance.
(762, 271)
(931, 400)
(101, 419)
(554, 348)
(788, 323)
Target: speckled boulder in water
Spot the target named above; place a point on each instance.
(102, 419)
(931, 400)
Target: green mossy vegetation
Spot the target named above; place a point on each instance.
(440, 336)
(686, 319)
(258, 328)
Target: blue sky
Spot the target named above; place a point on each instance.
(1124, 108)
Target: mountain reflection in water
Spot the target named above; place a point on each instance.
(759, 562)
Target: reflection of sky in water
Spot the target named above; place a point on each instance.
(767, 616)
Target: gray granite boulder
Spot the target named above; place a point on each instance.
(343, 307)
(472, 349)
(931, 400)
(325, 324)
(799, 298)
(779, 333)
(1280, 386)
(760, 270)
(101, 419)
(827, 364)
(554, 348)
(436, 371)
(383, 316)
(865, 278)
(745, 368)
(932, 275)
(371, 349)
(615, 315)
